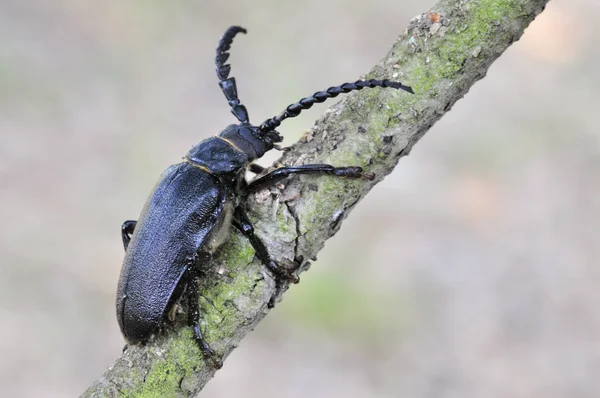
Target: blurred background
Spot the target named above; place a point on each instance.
(471, 271)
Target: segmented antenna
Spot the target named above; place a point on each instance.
(305, 103)
(228, 83)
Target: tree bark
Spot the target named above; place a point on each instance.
(441, 54)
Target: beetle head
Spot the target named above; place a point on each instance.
(250, 140)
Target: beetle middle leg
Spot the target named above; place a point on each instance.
(194, 317)
(242, 222)
(126, 232)
(280, 174)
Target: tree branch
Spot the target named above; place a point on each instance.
(441, 55)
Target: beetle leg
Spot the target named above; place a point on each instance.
(242, 222)
(126, 232)
(256, 168)
(194, 317)
(280, 174)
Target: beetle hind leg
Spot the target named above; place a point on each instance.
(126, 231)
(194, 318)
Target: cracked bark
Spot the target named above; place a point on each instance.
(441, 55)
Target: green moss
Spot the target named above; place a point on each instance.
(332, 191)
(428, 74)
(286, 225)
(162, 381)
(482, 22)
(236, 253)
(220, 306)
(184, 352)
(182, 359)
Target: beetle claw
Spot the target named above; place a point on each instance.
(293, 278)
(288, 276)
(217, 363)
(210, 354)
(368, 176)
(284, 273)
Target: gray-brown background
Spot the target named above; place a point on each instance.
(486, 284)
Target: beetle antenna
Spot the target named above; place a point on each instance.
(227, 83)
(305, 103)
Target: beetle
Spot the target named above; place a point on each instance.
(192, 207)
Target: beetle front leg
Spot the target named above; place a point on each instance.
(126, 232)
(194, 317)
(256, 168)
(280, 174)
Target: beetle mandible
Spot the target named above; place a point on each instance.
(193, 205)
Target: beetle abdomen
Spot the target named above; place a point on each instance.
(175, 222)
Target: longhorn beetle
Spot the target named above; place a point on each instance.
(194, 203)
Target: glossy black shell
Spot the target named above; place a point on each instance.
(180, 217)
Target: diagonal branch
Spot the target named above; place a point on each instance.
(441, 55)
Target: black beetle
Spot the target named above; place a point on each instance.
(194, 203)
